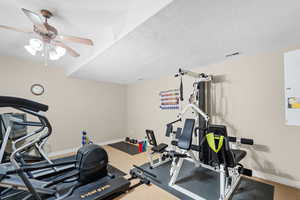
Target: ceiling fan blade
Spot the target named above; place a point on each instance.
(71, 51)
(15, 29)
(80, 40)
(35, 19)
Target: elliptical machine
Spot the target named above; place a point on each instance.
(85, 177)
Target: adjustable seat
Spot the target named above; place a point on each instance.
(159, 148)
(152, 141)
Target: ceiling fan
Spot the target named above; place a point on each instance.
(50, 38)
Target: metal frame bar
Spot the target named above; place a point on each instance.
(195, 108)
(11, 122)
(157, 163)
(225, 189)
(4, 141)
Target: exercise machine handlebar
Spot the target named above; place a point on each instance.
(182, 72)
(173, 122)
(195, 108)
(241, 140)
(181, 89)
(200, 76)
(174, 154)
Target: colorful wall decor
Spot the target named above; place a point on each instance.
(169, 99)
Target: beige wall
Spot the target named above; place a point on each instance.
(74, 105)
(248, 98)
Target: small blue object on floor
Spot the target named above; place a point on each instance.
(205, 183)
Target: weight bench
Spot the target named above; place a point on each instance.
(161, 148)
(227, 159)
(156, 149)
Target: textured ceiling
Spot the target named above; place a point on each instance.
(146, 39)
(194, 33)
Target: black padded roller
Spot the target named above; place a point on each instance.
(245, 171)
(247, 141)
(232, 139)
(243, 140)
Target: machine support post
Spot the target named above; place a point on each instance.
(176, 172)
(222, 182)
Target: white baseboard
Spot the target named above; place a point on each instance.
(71, 150)
(277, 179)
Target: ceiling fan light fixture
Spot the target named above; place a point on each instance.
(60, 51)
(31, 50)
(53, 55)
(36, 44)
(49, 35)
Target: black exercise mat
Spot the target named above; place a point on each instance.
(205, 183)
(111, 169)
(126, 147)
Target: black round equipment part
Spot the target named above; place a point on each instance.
(91, 161)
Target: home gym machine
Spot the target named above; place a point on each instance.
(87, 179)
(205, 144)
(214, 149)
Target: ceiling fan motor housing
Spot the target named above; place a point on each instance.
(46, 13)
(51, 32)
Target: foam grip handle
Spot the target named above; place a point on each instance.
(180, 155)
(247, 141)
(232, 139)
(242, 140)
(181, 90)
(246, 172)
